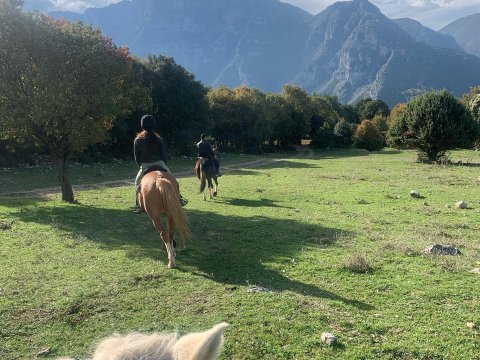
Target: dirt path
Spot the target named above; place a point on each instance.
(302, 151)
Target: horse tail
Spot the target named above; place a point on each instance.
(173, 209)
(203, 180)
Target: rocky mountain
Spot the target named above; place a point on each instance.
(426, 35)
(467, 33)
(350, 49)
(230, 42)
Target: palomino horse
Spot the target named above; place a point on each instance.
(205, 170)
(159, 195)
(205, 345)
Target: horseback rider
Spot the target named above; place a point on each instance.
(206, 151)
(149, 150)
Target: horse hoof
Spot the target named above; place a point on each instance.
(174, 244)
(215, 193)
(171, 266)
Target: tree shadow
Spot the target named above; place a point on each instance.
(19, 200)
(351, 152)
(234, 250)
(227, 249)
(252, 203)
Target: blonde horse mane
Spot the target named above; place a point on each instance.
(205, 345)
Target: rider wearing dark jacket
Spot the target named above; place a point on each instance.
(149, 150)
(205, 150)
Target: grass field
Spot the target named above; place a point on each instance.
(39, 177)
(72, 274)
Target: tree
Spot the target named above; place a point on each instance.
(240, 118)
(61, 84)
(324, 136)
(343, 133)
(368, 137)
(366, 109)
(298, 110)
(179, 102)
(345, 111)
(433, 123)
(471, 100)
(322, 111)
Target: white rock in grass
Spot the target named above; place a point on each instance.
(461, 205)
(329, 338)
(415, 194)
(471, 325)
(475, 271)
(258, 289)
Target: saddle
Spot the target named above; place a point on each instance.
(204, 161)
(154, 168)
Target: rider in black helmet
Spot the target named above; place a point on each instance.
(149, 150)
(205, 150)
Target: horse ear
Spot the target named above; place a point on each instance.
(201, 346)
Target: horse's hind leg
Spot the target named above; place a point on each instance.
(171, 228)
(215, 191)
(210, 188)
(157, 221)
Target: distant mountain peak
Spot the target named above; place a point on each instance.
(350, 49)
(423, 34)
(466, 31)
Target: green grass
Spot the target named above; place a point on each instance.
(72, 274)
(36, 177)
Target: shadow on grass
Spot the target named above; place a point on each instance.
(233, 250)
(226, 249)
(20, 200)
(350, 152)
(251, 203)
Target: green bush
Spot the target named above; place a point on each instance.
(343, 133)
(368, 137)
(324, 137)
(433, 123)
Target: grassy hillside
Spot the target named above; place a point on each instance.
(72, 274)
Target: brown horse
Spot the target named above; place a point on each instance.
(205, 170)
(159, 195)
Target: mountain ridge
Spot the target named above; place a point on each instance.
(466, 32)
(350, 49)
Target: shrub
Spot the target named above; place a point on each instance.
(433, 123)
(357, 263)
(368, 137)
(343, 133)
(324, 136)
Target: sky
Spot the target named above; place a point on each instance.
(432, 13)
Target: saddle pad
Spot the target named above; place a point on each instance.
(154, 168)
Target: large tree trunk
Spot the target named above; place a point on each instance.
(62, 176)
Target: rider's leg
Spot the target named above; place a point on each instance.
(138, 179)
(217, 167)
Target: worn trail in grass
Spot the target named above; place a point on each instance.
(72, 274)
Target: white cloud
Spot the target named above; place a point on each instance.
(67, 5)
(431, 13)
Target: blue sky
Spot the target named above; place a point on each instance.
(432, 13)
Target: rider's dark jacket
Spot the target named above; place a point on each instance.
(147, 153)
(205, 150)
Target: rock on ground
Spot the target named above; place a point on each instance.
(329, 338)
(439, 249)
(461, 205)
(415, 194)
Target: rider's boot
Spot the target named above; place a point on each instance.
(183, 201)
